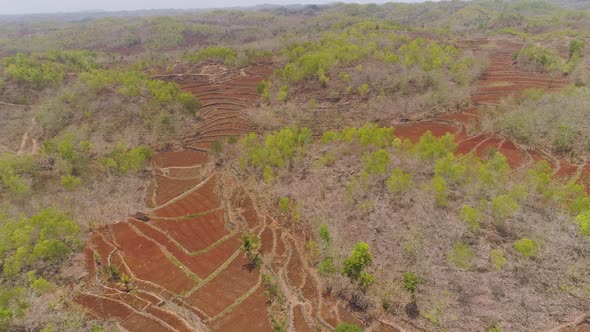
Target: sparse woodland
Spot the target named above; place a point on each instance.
(412, 229)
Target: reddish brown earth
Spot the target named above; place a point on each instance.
(501, 80)
(187, 271)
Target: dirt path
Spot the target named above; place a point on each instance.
(26, 138)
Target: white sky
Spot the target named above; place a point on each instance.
(52, 6)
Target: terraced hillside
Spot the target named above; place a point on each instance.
(183, 269)
(502, 79)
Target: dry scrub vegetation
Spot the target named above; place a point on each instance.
(487, 245)
(400, 230)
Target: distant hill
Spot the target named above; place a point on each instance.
(574, 4)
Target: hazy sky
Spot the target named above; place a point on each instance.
(51, 6)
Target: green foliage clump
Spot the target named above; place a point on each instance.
(503, 207)
(399, 181)
(370, 134)
(355, 264)
(39, 285)
(364, 89)
(221, 53)
(263, 89)
(125, 160)
(427, 54)
(327, 267)
(497, 258)
(47, 236)
(251, 246)
(311, 59)
(49, 68)
(461, 256)
(277, 149)
(325, 234)
(377, 162)
(12, 304)
(429, 147)
(133, 83)
(439, 185)
(366, 280)
(13, 170)
(543, 58)
(583, 221)
(70, 182)
(284, 203)
(526, 247)
(410, 280)
(283, 93)
(576, 48)
(471, 217)
(494, 328)
(348, 327)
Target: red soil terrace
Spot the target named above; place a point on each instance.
(186, 267)
(502, 79)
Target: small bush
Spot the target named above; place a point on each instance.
(399, 182)
(503, 207)
(497, 258)
(283, 93)
(250, 246)
(471, 217)
(347, 327)
(70, 182)
(411, 283)
(526, 247)
(284, 203)
(327, 267)
(366, 280)
(576, 48)
(377, 162)
(461, 256)
(583, 221)
(364, 89)
(40, 286)
(325, 234)
(439, 186)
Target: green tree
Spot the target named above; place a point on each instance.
(359, 259)
(251, 245)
